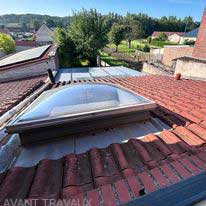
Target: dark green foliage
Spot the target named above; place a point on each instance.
(146, 48)
(88, 31)
(116, 35)
(161, 43)
(161, 37)
(29, 19)
(187, 42)
(147, 23)
(36, 25)
(66, 48)
(133, 30)
(149, 39)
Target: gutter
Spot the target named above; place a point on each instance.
(9, 114)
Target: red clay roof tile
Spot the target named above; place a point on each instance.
(116, 174)
(11, 93)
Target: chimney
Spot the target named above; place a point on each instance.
(51, 76)
(200, 45)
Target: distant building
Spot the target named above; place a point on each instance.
(4, 30)
(24, 45)
(31, 62)
(194, 66)
(44, 35)
(189, 36)
(172, 36)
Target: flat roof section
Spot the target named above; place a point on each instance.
(24, 56)
(31, 155)
(70, 74)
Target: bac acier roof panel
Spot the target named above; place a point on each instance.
(115, 71)
(80, 73)
(97, 72)
(24, 56)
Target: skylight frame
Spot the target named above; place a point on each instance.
(20, 127)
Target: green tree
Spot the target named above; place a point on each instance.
(24, 27)
(162, 37)
(88, 30)
(50, 22)
(66, 48)
(149, 39)
(116, 35)
(7, 43)
(36, 25)
(133, 30)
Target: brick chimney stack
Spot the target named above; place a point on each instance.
(200, 45)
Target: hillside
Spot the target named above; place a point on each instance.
(32, 20)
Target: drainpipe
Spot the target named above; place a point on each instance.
(9, 114)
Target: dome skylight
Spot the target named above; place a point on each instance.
(77, 103)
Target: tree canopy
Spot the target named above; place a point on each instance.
(116, 35)
(148, 24)
(7, 43)
(88, 31)
(133, 30)
(66, 48)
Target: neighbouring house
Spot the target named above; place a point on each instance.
(44, 35)
(172, 36)
(15, 30)
(190, 36)
(194, 65)
(4, 30)
(24, 45)
(171, 53)
(30, 62)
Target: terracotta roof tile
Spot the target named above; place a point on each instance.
(116, 174)
(11, 93)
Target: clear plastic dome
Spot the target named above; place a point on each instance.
(80, 98)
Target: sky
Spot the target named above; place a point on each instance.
(154, 8)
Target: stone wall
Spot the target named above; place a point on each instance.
(174, 52)
(190, 67)
(154, 69)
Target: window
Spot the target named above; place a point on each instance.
(79, 103)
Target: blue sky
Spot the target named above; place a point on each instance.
(155, 8)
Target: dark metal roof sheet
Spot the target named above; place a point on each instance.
(192, 33)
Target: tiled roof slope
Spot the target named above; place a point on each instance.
(168, 33)
(13, 92)
(116, 174)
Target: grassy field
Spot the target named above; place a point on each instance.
(123, 47)
(112, 61)
(138, 44)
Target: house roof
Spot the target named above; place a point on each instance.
(28, 56)
(4, 30)
(116, 174)
(26, 43)
(157, 33)
(13, 92)
(192, 33)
